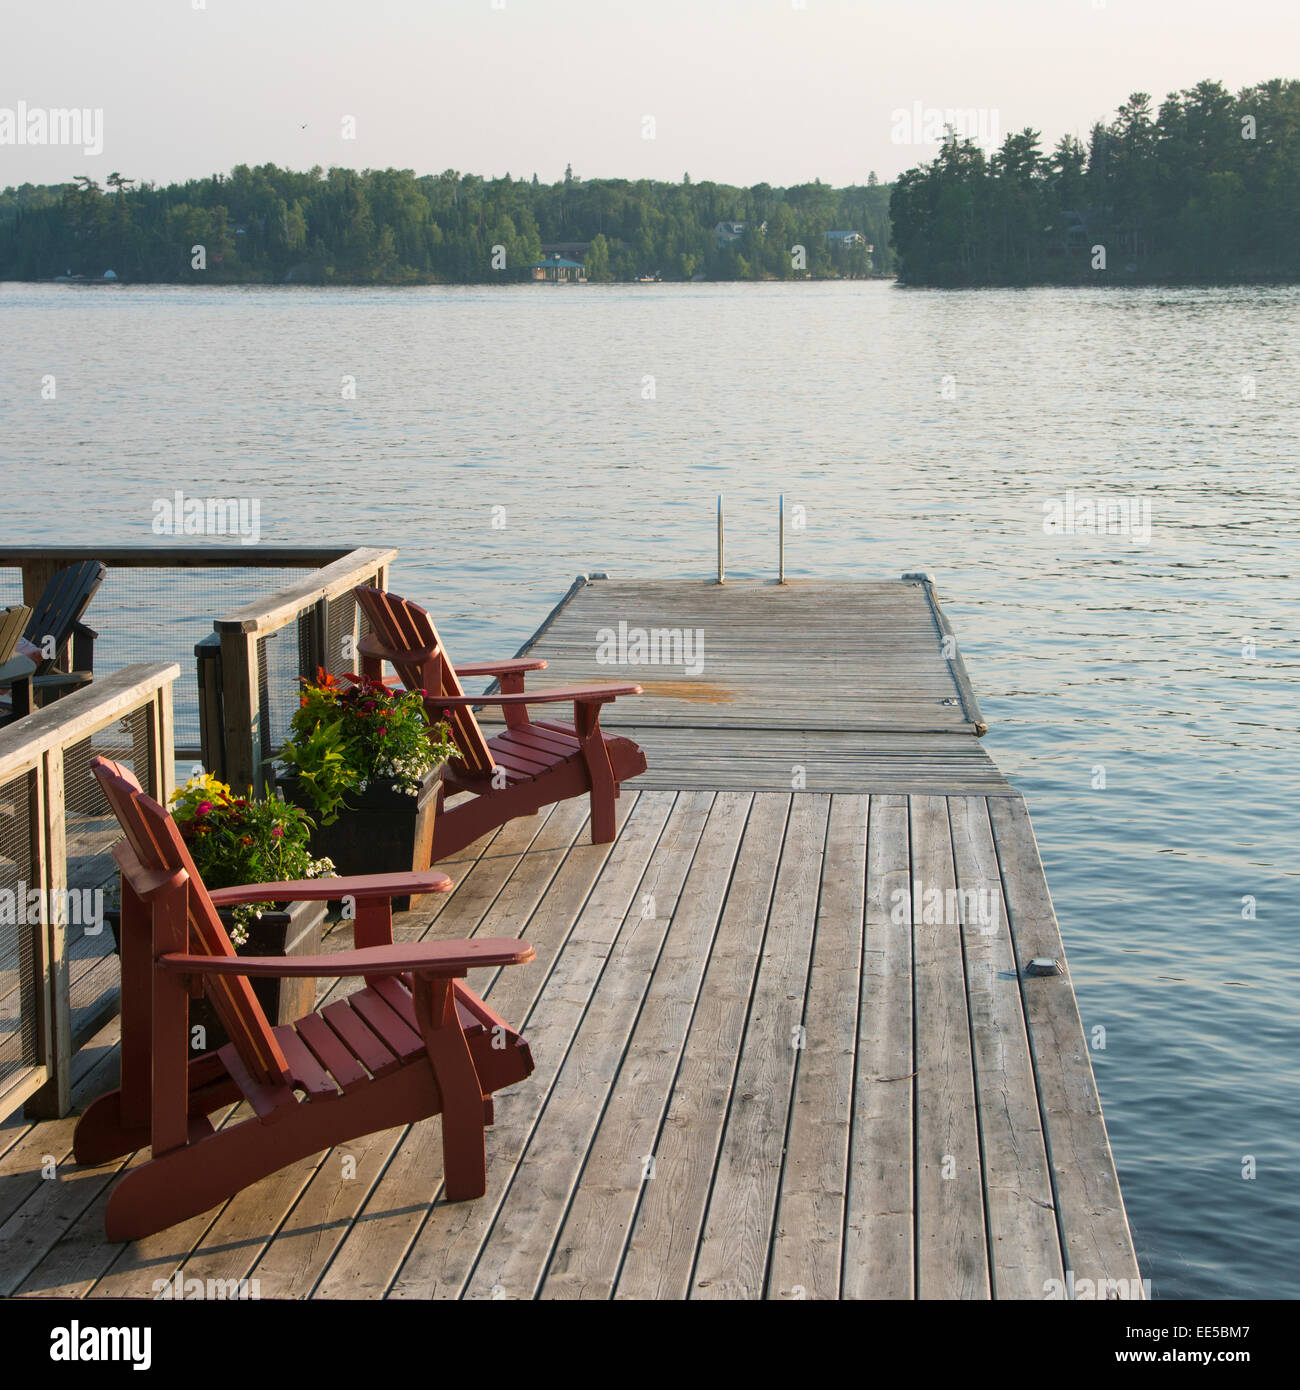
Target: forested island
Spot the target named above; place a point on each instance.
(1204, 189)
(390, 226)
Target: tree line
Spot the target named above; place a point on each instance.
(390, 226)
(1204, 189)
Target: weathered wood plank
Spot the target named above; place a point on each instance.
(879, 1244)
(734, 1250)
(660, 1255)
(604, 949)
(781, 760)
(1025, 1249)
(807, 1250)
(589, 1246)
(952, 1252)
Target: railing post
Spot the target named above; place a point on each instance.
(54, 1098)
(162, 746)
(37, 573)
(722, 569)
(212, 746)
(241, 711)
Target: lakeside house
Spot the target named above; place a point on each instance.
(727, 232)
(843, 240)
(558, 270)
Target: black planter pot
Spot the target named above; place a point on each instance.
(381, 830)
(295, 931)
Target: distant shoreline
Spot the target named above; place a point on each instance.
(1116, 282)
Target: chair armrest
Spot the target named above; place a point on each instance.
(502, 668)
(362, 888)
(64, 679)
(586, 694)
(417, 957)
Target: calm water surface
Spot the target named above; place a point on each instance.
(605, 421)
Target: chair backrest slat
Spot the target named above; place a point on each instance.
(157, 843)
(402, 625)
(13, 622)
(62, 604)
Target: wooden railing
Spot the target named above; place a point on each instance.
(39, 563)
(234, 690)
(51, 807)
(180, 596)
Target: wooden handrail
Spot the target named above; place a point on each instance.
(277, 610)
(81, 714)
(179, 557)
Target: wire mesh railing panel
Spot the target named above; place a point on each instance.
(19, 926)
(146, 613)
(345, 625)
(279, 664)
(159, 615)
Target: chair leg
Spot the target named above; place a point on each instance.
(464, 1154)
(602, 815)
(603, 786)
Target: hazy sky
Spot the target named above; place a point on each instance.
(737, 90)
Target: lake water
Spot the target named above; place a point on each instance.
(918, 430)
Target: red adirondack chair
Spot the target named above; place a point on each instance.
(413, 1042)
(531, 763)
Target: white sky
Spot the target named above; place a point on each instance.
(740, 91)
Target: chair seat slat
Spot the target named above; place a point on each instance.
(305, 1070)
(330, 1050)
(390, 1025)
(360, 1039)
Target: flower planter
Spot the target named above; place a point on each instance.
(381, 831)
(295, 931)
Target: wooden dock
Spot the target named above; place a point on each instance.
(785, 1043)
(853, 683)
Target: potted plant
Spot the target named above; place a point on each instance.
(363, 760)
(235, 840)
